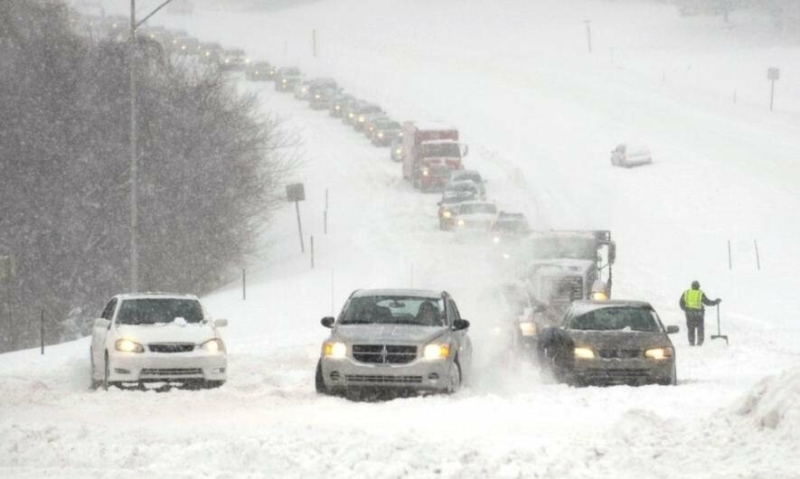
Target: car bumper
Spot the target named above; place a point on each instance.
(167, 367)
(422, 375)
(622, 371)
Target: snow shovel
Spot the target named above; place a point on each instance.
(719, 334)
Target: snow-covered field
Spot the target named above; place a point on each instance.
(540, 115)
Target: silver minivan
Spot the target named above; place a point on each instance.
(400, 339)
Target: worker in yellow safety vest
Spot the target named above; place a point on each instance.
(693, 302)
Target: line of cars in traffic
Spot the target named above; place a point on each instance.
(556, 302)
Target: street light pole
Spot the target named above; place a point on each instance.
(134, 286)
(134, 159)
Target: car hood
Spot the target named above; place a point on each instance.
(387, 333)
(620, 339)
(168, 333)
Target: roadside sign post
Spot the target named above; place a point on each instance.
(773, 74)
(295, 192)
(589, 33)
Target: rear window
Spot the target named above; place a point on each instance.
(480, 208)
(616, 319)
(149, 311)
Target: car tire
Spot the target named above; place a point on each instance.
(212, 384)
(106, 373)
(319, 381)
(454, 377)
(94, 384)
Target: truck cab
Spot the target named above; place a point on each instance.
(431, 152)
(565, 266)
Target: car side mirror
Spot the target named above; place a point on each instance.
(328, 321)
(672, 329)
(220, 323)
(460, 324)
(102, 323)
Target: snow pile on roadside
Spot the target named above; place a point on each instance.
(774, 403)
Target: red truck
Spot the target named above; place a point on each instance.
(430, 152)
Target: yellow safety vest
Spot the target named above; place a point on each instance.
(693, 299)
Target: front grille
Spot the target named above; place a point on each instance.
(171, 347)
(621, 373)
(384, 353)
(620, 353)
(377, 379)
(172, 372)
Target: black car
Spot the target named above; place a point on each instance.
(321, 98)
(338, 104)
(361, 113)
(287, 78)
(385, 131)
(610, 342)
(257, 71)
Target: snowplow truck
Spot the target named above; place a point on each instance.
(431, 152)
(564, 266)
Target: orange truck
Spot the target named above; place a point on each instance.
(430, 152)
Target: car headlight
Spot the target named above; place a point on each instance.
(337, 107)
(599, 296)
(128, 346)
(658, 353)
(425, 172)
(213, 346)
(527, 329)
(361, 119)
(351, 115)
(380, 134)
(335, 350)
(584, 353)
(436, 351)
(461, 222)
(496, 240)
(447, 214)
(398, 151)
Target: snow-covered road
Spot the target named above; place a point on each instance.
(540, 116)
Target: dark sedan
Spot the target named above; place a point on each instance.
(610, 342)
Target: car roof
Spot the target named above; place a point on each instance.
(584, 306)
(477, 202)
(153, 295)
(424, 293)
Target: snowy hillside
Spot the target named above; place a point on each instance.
(540, 115)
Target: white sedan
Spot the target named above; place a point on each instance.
(151, 337)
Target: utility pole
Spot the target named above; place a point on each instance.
(133, 146)
(589, 33)
(134, 160)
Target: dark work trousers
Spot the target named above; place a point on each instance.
(695, 322)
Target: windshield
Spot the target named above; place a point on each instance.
(572, 248)
(159, 311)
(409, 310)
(616, 319)
(447, 150)
(477, 208)
(463, 176)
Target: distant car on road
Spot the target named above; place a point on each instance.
(469, 175)
(396, 150)
(338, 104)
(287, 78)
(385, 131)
(474, 216)
(234, 59)
(610, 342)
(151, 337)
(395, 339)
(509, 226)
(362, 113)
(628, 156)
(453, 195)
(258, 71)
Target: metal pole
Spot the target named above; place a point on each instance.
(244, 285)
(771, 94)
(589, 33)
(325, 222)
(730, 256)
(326, 212)
(134, 160)
(312, 251)
(758, 257)
(299, 227)
(41, 334)
(314, 42)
